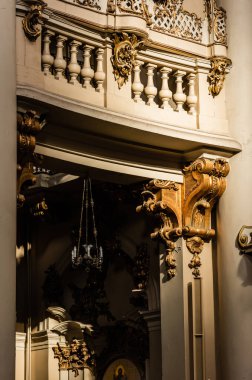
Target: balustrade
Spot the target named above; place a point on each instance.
(183, 98)
(80, 64)
(71, 61)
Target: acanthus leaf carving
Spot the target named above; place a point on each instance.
(74, 356)
(125, 48)
(31, 20)
(163, 200)
(216, 76)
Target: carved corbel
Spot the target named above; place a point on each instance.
(32, 18)
(163, 200)
(28, 125)
(217, 74)
(125, 49)
(204, 183)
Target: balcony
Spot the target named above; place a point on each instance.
(73, 69)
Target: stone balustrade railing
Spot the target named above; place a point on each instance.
(82, 65)
(72, 61)
(165, 87)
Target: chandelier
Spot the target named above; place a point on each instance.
(86, 253)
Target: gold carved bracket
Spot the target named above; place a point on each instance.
(125, 47)
(204, 183)
(32, 18)
(28, 125)
(74, 357)
(216, 76)
(186, 210)
(163, 200)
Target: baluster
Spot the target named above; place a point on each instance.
(137, 87)
(165, 93)
(150, 90)
(47, 59)
(86, 72)
(59, 62)
(99, 75)
(74, 67)
(191, 99)
(179, 97)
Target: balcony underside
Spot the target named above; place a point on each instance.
(94, 136)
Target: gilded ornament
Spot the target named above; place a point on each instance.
(216, 21)
(244, 239)
(136, 7)
(217, 74)
(163, 200)
(32, 18)
(195, 246)
(89, 3)
(74, 357)
(125, 48)
(204, 183)
(28, 125)
(169, 17)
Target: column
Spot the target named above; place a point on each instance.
(152, 319)
(235, 207)
(7, 190)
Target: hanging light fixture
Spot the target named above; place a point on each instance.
(86, 252)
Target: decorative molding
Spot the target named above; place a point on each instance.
(89, 3)
(125, 48)
(216, 21)
(169, 17)
(163, 200)
(74, 357)
(204, 183)
(136, 7)
(244, 239)
(32, 18)
(29, 124)
(217, 74)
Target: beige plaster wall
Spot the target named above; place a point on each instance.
(235, 208)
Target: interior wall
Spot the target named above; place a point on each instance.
(235, 207)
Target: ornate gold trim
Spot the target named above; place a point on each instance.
(216, 21)
(217, 74)
(32, 18)
(163, 199)
(125, 48)
(28, 125)
(74, 357)
(204, 183)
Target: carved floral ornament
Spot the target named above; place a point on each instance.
(74, 357)
(186, 213)
(125, 48)
(31, 20)
(217, 74)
